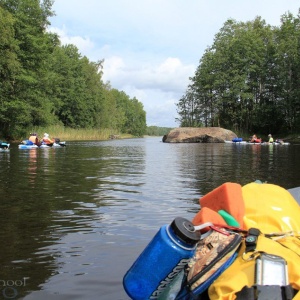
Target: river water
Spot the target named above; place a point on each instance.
(74, 219)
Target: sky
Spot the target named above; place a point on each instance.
(151, 48)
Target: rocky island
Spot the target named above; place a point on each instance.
(199, 135)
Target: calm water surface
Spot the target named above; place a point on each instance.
(74, 219)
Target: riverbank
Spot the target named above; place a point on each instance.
(70, 134)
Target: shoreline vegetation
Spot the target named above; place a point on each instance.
(45, 83)
(83, 134)
(71, 134)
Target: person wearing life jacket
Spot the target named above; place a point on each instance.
(271, 140)
(34, 139)
(47, 140)
(255, 139)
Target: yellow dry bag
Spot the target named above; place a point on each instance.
(274, 211)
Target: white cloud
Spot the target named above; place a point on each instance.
(151, 47)
(84, 44)
(158, 86)
(169, 75)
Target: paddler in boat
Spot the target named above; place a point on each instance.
(47, 140)
(255, 139)
(34, 139)
(271, 140)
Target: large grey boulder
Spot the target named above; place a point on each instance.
(199, 135)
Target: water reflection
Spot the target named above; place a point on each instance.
(32, 167)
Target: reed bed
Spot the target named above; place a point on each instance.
(69, 134)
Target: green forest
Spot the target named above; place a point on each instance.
(44, 83)
(248, 80)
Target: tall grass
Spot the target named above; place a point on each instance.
(69, 134)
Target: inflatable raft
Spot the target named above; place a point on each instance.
(34, 146)
(259, 142)
(4, 146)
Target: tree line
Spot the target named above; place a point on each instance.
(45, 83)
(248, 80)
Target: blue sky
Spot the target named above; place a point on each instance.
(151, 47)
